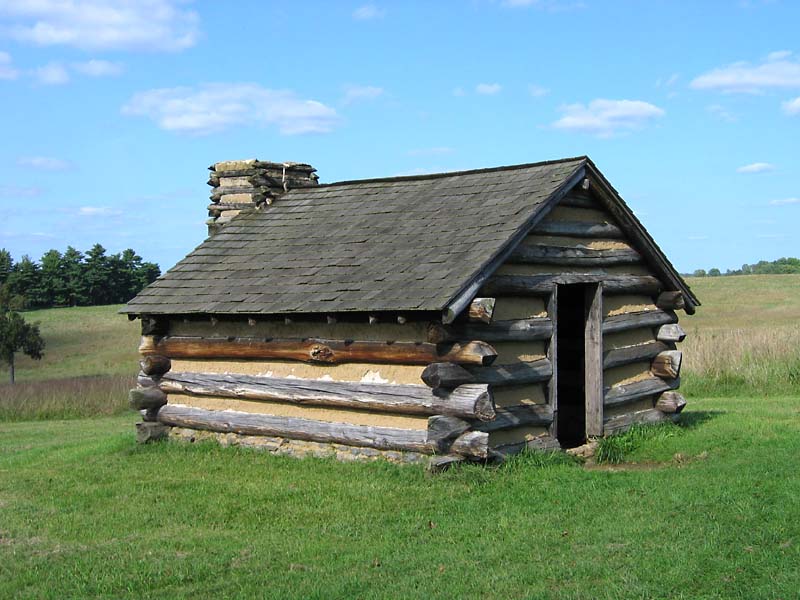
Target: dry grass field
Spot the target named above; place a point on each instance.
(745, 338)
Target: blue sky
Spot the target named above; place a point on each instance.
(112, 111)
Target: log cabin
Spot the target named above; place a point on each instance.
(434, 318)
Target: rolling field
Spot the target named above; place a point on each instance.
(745, 339)
(702, 510)
(89, 364)
(91, 340)
(746, 336)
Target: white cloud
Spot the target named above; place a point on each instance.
(218, 106)
(722, 113)
(779, 71)
(757, 167)
(44, 163)
(537, 91)
(488, 89)
(7, 70)
(151, 25)
(779, 55)
(98, 68)
(354, 93)
(606, 117)
(785, 201)
(459, 91)
(98, 211)
(437, 151)
(52, 74)
(791, 107)
(550, 5)
(368, 12)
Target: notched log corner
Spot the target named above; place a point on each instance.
(146, 398)
(671, 402)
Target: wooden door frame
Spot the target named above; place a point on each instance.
(552, 355)
(593, 361)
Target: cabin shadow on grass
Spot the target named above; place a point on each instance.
(696, 418)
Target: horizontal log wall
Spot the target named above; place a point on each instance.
(263, 327)
(331, 414)
(540, 285)
(472, 444)
(317, 350)
(468, 401)
(518, 330)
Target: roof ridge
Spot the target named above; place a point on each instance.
(450, 173)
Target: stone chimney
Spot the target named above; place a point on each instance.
(240, 184)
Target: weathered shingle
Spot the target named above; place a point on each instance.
(408, 243)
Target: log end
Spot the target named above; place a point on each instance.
(147, 345)
(446, 375)
(155, 364)
(671, 403)
(443, 427)
(472, 444)
(671, 300)
(485, 353)
(481, 310)
(667, 364)
(146, 398)
(484, 407)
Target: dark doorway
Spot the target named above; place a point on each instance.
(570, 363)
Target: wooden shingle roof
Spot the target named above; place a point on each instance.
(397, 244)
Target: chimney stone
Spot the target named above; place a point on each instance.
(239, 184)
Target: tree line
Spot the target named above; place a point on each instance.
(782, 266)
(73, 278)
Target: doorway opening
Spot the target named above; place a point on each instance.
(578, 363)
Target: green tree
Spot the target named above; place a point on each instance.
(700, 273)
(25, 281)
(97, 274)
(714, 272)
(16, 335)
(136, 274)
(6, 265)
(73, 269)
(54, 284)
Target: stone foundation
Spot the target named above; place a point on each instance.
(298, 448)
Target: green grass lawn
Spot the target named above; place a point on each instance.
(84, 512)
